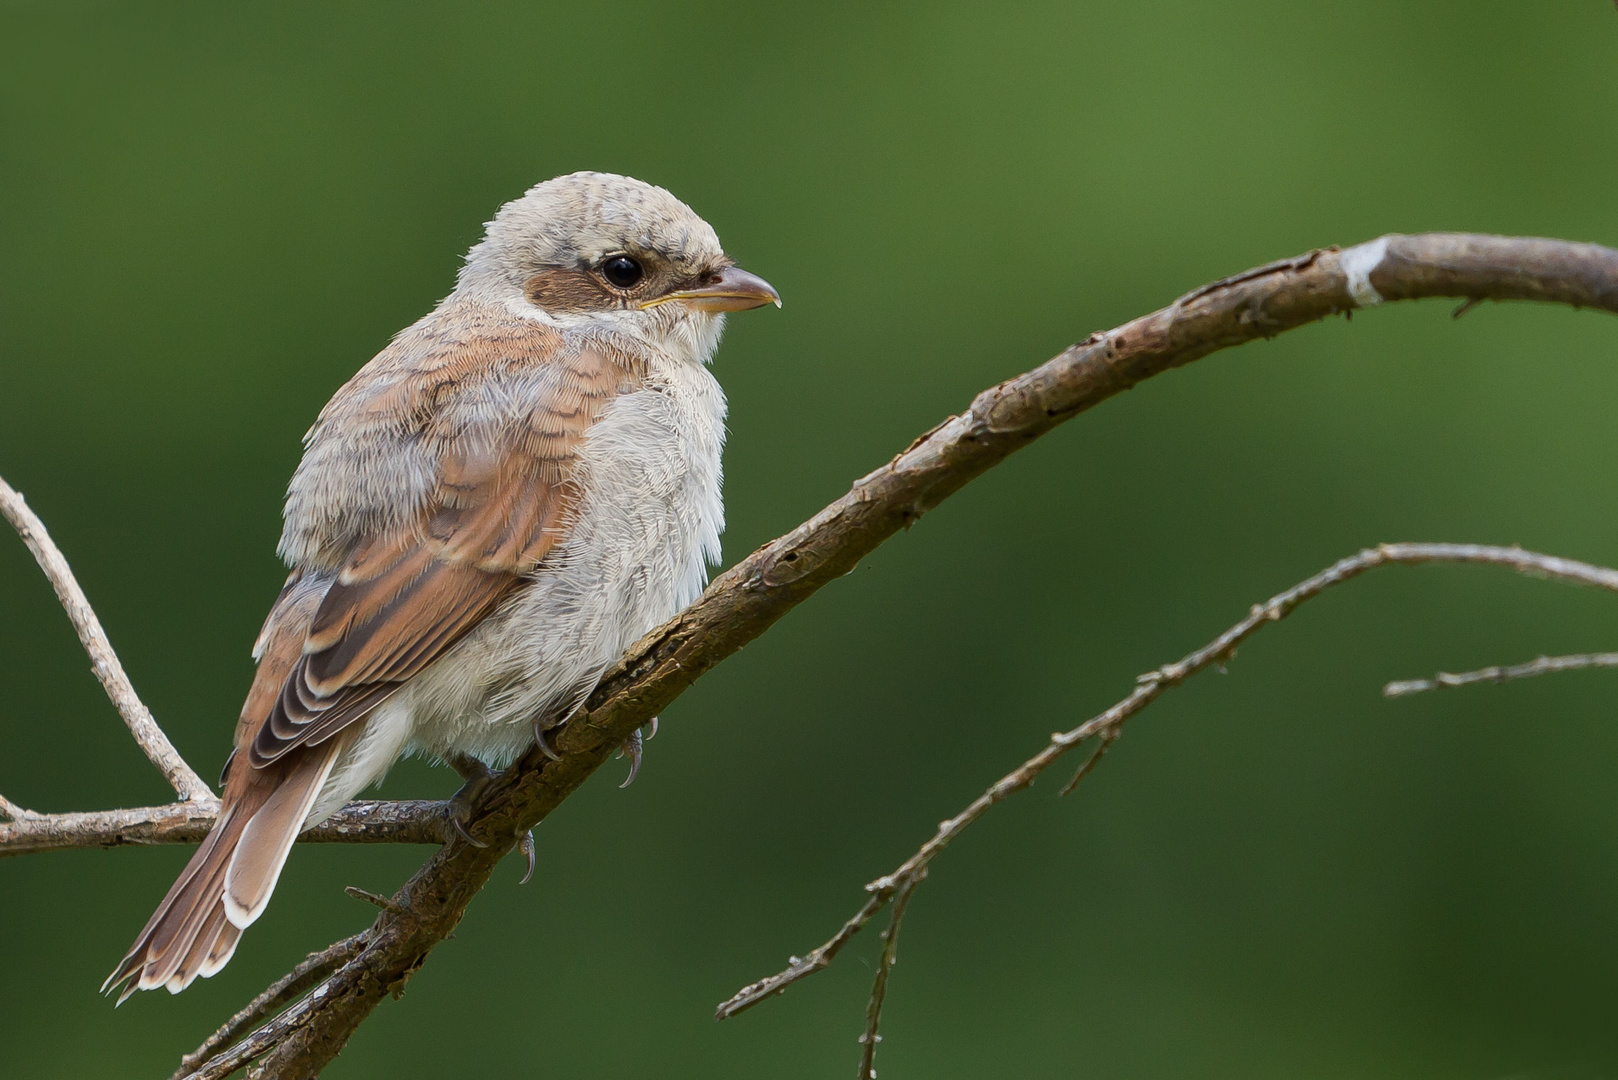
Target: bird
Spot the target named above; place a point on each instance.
(486, 515)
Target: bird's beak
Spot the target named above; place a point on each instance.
(734, 289)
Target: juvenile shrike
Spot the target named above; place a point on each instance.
(486, 516)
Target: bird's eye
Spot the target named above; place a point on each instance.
(622, 271)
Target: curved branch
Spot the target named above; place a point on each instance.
(418, 821)
(749, 598)
(899, 885)
(103, 661)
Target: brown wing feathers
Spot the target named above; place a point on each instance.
(338, 645)
(399, 602)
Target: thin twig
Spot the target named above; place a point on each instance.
(1148, 688)
(1544, 665)
(314, 968)
(901, 901)
(419, 821)
(884, 967)
(383, 902)
(800, 967)
(103, 661)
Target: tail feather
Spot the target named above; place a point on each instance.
(180, 898)
(177, 935)
(228, 882)
(224, 947)
(190, 965)
(256, 864)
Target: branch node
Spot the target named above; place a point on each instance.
(16, 813)
(1108, 736)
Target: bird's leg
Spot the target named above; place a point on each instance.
(471, 769)
(477, 776)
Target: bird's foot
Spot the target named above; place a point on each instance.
(477, 776)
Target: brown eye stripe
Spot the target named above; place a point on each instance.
(563, 291)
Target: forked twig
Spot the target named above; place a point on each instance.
(103, 661)
(25, 832)
(314, 968)
(879, 985)
(1544, 665)
(1105, 726)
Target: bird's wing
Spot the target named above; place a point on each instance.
(502, 499)
(501, 419)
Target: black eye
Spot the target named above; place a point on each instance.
(622, 271)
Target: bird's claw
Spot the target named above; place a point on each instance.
(526, 846)
(632, 748)
(457, 815)
(543, 743)
(477, 776)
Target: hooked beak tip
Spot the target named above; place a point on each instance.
(733, 289)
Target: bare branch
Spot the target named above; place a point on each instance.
(1544, 665)
(103, 661)
(420, 821)
(315, 967)
(1148, 688)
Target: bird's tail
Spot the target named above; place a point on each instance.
(228, 882)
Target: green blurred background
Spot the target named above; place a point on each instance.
(213, 215)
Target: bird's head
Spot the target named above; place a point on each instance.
(599, 251)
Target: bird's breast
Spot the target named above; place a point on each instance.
(637, 551)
